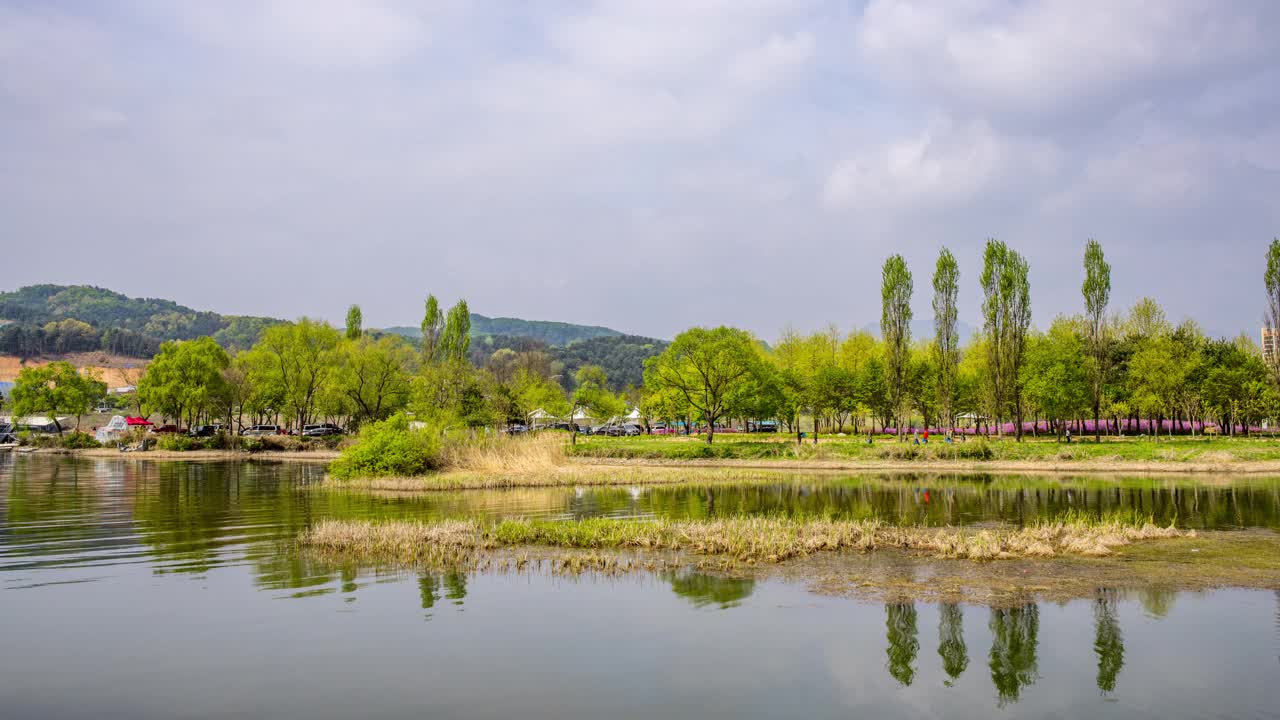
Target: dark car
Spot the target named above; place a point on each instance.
(321, 430)
(631, 430)
(517, 429)
(204, 431)
(766, 426)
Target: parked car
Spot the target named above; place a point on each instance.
(517, 429)
(321, 430)
(765, 426)
(203, 431)
(165, 429)
(260, 430)
(631, 430)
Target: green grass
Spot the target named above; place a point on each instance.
(1181, 450)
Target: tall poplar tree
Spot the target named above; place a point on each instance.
(946, 345)
(1097, 292)
(432, 326)
(895, 327)
(1006, 311)
(1272, 279)
(455, 341)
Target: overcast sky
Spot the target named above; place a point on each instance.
(647, 165)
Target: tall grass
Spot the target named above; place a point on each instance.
(500, 454)
(747, 539)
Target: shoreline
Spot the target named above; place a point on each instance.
(194, 455)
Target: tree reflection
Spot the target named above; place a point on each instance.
(1108, 643)
(429, 590)
(1156, 603)
(951, 646)
(455, 583)
(1014, 639)
(701, 589)
(904, 643)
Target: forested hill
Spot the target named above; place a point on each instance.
(55, 319)
(551, 333)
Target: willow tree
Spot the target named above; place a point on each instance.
(1006, 311)
(1272, 279)
(895, 327)
(355, 322)
(432, 327)
(903, 641)
(1097, 292)
(946, 344)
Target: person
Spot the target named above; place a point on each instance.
(1068, 436)
(926, 436)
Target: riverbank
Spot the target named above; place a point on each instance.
(196, 455)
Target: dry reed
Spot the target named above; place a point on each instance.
(741, 539)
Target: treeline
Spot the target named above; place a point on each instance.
(622, 357)
(55, 319)
(1095, 372)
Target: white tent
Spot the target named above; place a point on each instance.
(542, 417)
(633, 416)
(113, 430)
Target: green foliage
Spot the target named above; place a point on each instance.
(179, 442)
(1055, 376)
(355, 322)
(374, 376)
(621, 356)
(946, 344)
(297, 362)
(432, 326)
(57, 389)
(389, 447)
(186, 380)
(895, 326)
(551, 333)
(714, 372)
(79, 441)
(1006, 310)
(455, 341)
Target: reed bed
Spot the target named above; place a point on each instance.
(745, 539)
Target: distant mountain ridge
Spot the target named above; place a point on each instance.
(87, 318)
(547, 331)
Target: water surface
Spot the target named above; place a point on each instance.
(137, 589)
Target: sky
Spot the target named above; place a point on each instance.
(641, 164)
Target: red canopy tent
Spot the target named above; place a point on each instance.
(135, 421)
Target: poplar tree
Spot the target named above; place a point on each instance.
(1006, 311)
(1097, 292)
(432, 326)
(455, 340)
(895, 326)
(1272, 279)
(355, 319)
(946, 345)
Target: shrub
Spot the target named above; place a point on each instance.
(389, 447)
(177, 442)
(79, 440)
(979, 449)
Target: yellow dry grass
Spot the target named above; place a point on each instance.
(741, 539)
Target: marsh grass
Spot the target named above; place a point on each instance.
(504, 455)
(746, 540)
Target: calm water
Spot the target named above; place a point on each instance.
(165, 590)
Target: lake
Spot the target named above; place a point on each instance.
(147, 589)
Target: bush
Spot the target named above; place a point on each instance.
(979, 449)
(386, 448)
(179, 443)
(79, 441)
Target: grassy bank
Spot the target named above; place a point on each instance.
(1175, 452)
(745, 539)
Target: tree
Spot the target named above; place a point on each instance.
(1015, 639)
(1108, 642)
(591, 394)
(186, 381)
(56, 388)
(902, 635)
(300, 362)
(1271, 278)
(1006, 310)
(712, 369)
(374, 376)
(455, 341)
(1055, 374)
(355, 319)
(946, 344)
(951, 646)
(432, 326)
(1097, 293)
(895, 328)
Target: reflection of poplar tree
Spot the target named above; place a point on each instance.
(701, 589)
(1107, 641)
(1014, 636)
(902, 634)
(429, 589)
(456, 582)
(1156, 603)
(955, 654)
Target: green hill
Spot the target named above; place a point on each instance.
(551, 333)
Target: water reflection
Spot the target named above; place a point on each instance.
(1108, 643)
(902, 635)
(701, 589)
(1015, 640)
(951, 645)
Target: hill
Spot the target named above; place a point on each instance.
(60, 319)
(549, 332)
